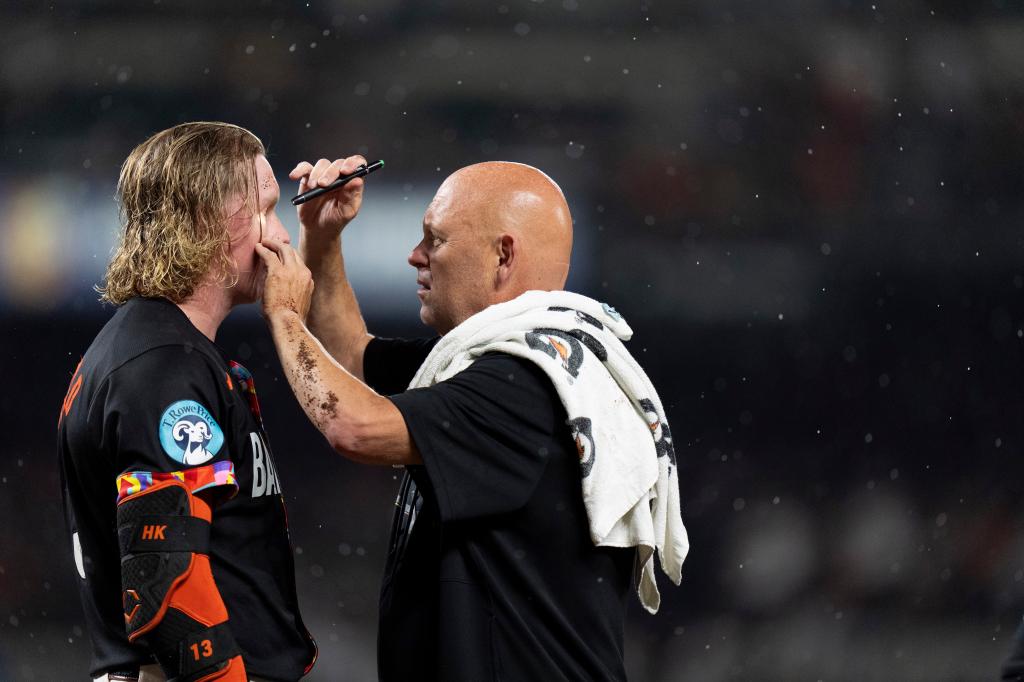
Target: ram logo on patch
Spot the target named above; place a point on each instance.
(189, 434)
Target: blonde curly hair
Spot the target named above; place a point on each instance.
(173, 192)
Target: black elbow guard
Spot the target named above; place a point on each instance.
(171, 603)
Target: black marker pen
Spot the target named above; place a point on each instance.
(357, 173)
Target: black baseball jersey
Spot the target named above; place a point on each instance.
(491, 572)
(154, 398)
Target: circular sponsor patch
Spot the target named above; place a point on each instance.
(189, 434)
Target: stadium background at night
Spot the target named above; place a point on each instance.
(809, 212)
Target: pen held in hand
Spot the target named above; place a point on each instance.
(357, 173)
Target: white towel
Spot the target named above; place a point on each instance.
(627, 460)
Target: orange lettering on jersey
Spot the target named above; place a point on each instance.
(73, 390)
(153, 532)
(134, 596)
(205, 652)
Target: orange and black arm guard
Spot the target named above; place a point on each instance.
(171, 603)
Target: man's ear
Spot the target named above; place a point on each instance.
(506, 259)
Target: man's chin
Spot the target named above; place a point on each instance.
(242, 297)
(427, 317)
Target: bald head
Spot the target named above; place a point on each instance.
(493, 231)
(501, 197)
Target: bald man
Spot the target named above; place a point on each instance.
(491, 571)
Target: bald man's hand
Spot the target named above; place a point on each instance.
(334, 313)
(288, 287)
(325, 216)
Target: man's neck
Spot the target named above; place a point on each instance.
(207, 308)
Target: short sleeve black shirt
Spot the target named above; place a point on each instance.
(491, 573)
(153, 396)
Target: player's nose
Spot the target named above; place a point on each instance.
(277, 230)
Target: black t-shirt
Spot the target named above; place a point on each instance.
(153, 398)
(491, 573)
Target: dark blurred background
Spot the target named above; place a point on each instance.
(809, 212)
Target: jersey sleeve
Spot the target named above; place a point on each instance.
(485, 435)
(166, 415)
(390, 364)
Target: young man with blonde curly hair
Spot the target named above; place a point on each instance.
(171, 496)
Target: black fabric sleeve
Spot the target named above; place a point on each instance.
(390, 364)
(166, 410)
(485, 435)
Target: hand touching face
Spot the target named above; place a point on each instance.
(247, 227)
(288, 286)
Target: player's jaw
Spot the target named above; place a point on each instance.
(252, 275)
(259, 280)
